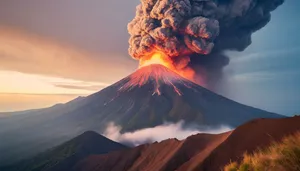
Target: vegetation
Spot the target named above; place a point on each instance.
(67, 154)
(48, 159)
(280, 156)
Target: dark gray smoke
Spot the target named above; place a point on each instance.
(197, 29)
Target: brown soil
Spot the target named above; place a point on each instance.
(164, 156)
(247, 138)
(203, 152)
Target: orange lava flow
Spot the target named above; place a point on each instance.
(157, 58)
(159, 69)
(162, 59)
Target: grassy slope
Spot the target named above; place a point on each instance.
(280, 156)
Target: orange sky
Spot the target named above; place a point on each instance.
(51, 52)
(85, 44)
(43, 72)
(18, 102)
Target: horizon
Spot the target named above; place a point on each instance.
(144, 85)
(44, 65)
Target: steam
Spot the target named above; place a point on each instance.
(158, 133)
(198, 31)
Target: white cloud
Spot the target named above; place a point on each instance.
(263, 76)
(16, 82)
(158, 133)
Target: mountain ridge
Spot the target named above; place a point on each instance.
(68, 153)
(201, 152)
(134, 109)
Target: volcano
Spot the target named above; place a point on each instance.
(155, 76)
(154, 94)
(147, 98)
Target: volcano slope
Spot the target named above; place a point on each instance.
(154, 94)
(147, 98)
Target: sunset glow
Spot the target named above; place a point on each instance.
(21, 91)
(37, 71)
(16, 82)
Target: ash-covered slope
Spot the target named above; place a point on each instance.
(154, 94)
(147, 98)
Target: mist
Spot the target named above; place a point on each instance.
(158, 133)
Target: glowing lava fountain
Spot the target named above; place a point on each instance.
(159, 58)
(158, 71)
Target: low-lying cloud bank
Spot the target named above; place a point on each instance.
(158, 133)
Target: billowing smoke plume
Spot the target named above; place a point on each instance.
(198, 31)
(158, 133)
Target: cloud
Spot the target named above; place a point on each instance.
(255, 76)
(158, 133)
(29, 53)
(16, 82)
(67, 21)
(78, 87)
(264, 66)
(81, 85)
(270, 54)
(11, 102)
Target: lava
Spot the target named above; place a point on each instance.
(156, 75)
(157, 58)
(179, 67)
(159, 69)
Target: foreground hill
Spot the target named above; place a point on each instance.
(166, 155)
(247, 138)
(147, 98)
(200, 152)
(65, 155)
(280, 156)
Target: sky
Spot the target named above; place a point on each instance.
(53, 51)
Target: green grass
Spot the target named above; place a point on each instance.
(280, 156)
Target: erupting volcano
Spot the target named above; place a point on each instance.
(157, 69)
(156, 58)
(149, 97)
(155, 94)
(157, 75)
(192, 35)
(178, 66)
(178, 43)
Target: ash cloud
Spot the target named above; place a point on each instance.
(200, 30)
(158, 133)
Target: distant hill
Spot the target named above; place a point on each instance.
(147, 98)
(63, 157)
(202, 152)
(167, 155)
